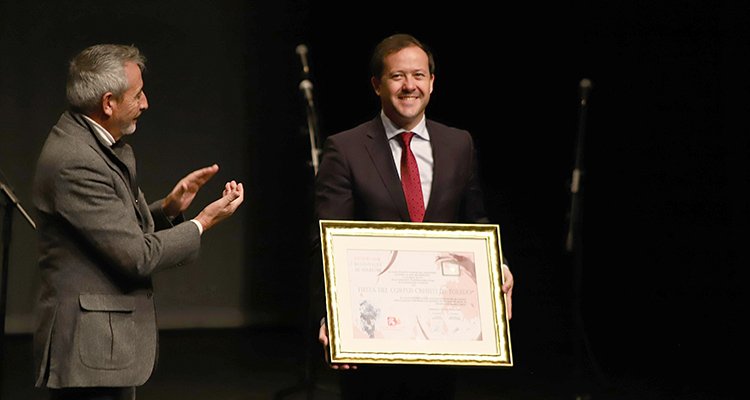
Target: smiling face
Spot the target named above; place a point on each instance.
(405, 86)
(123, 111)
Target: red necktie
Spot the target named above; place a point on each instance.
(410, 180)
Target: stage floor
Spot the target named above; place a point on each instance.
(245, 364)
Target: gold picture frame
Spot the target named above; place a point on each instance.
(415, 293)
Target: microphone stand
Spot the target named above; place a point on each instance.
(7, 229)
(306, 87)
(307, 382)
(574, 245)
(312, 125)
(572, 240)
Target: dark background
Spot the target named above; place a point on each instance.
(666, 156)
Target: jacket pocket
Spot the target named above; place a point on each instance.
(106, 332)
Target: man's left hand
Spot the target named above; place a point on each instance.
(508, 289)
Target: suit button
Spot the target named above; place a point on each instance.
(149, 294)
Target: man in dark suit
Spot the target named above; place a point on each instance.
(401, 166)
(100, 241)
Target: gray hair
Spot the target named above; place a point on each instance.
(97, 70)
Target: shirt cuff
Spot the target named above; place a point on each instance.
(198, 224)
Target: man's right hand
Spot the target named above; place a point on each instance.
(222, 208)
(184, 192)
(323, 339)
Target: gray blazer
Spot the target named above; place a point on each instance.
(99, 244)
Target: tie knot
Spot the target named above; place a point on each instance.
(406, 138)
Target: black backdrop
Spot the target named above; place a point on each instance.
(666, 161)
(666, 149)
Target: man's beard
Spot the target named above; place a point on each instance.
(129, 129)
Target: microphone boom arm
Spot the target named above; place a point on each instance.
(306, 87)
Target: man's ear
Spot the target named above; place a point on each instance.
(106, 104)
(375, 85)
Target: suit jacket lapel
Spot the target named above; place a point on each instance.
(124, 154)
(439, 154)
(382, 158)
(122, 163)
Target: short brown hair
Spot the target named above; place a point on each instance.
(392, 44)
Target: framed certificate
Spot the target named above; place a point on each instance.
(415, 293)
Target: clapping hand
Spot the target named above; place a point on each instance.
(184, 192)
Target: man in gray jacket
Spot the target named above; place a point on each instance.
(100, 241)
